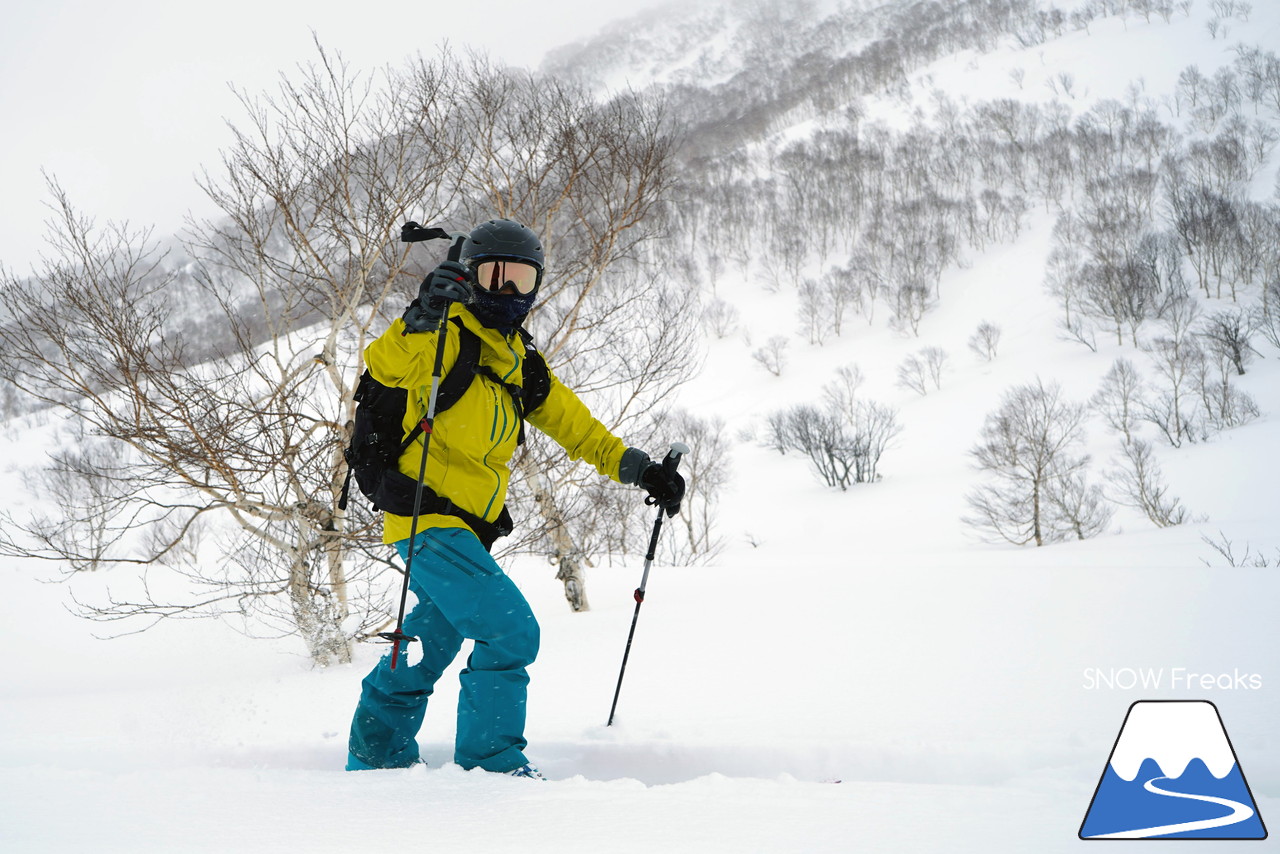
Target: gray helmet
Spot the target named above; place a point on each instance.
(503, 238)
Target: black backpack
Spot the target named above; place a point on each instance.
(377, 442)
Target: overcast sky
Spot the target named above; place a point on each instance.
(124, 102)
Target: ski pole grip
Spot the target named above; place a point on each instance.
(411, 232)
(455, 251)
(672, 460)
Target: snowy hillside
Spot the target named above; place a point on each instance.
(856, 670)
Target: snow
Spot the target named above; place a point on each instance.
(949, 700)
(865, 637)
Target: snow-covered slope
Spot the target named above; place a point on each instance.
(865, 636)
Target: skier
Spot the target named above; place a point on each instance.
(461, 591)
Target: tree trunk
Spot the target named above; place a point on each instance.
(566, 554)
(320, 609)
(319, 622)
(1035, 511)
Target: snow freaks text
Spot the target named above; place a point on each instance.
(1168, 678)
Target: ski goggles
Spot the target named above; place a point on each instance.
(508, 276)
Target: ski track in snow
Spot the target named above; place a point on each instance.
(1239, 812)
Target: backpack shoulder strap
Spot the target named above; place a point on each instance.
(455, 383)
(537, 378)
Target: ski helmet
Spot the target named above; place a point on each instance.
(504, 238)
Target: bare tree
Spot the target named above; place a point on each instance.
(844, 439)
(1176, 357)
(912, 300)
(1266, 316)
(86, 484)
(706, 473)
(1255, 253)
(1080, 507)
(240, 437)
(875, 427)
(1064, 280)
(1039, 494)
(1227, 335)
(1119, 398)
(1222, 404)
(820, 435)
(773, 355)
(1158, 256)
(867, 280)
(1107, 291)
(935, 361)
(985, 340)
(720, 317)
(913, 374)
(1191, 87)
(824, 303)
(841, 394)
(921, 368)
(812, 312)
(1139, 484)
(1207, 224)
(1227, 550)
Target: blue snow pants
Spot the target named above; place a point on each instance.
(462, 593)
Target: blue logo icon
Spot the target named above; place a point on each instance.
(1173, 774)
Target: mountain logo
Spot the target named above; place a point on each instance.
(1173, 774)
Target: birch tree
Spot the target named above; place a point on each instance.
(1038, 493)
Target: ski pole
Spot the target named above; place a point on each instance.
(669, 464)
(398, 636)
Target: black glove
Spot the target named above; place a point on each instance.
(450, 282)
(666, 489)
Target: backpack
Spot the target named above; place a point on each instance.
(377, 444)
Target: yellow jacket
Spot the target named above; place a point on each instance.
(474, 439)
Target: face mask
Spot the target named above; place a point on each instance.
(501, 311)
